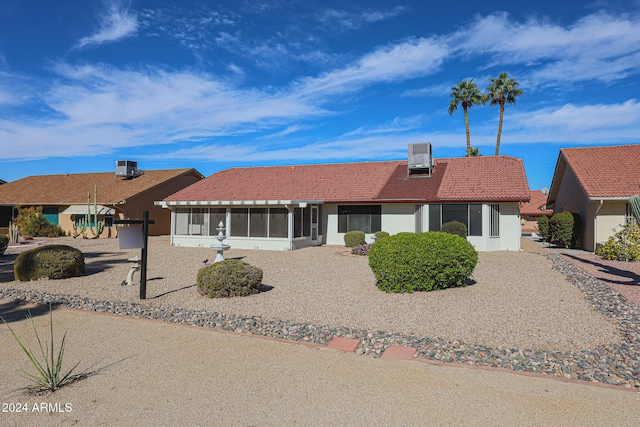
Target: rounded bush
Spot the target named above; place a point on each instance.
(354, 238)
(381, 234)
(408, 262)
(51, 261)
(4, 242)
(229, 278)
(565, 228)
(543, 228)
(624, 245)
(455, 227)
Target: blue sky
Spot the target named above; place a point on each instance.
(214, 85)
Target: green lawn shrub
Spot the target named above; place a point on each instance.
(408, 262)
(543, 228)
(4, 243)
(33, 223)
(624, 245)
(229, 278)
(380, 234)
(354, 238)
(455, 227)
(50, 261)
(564, 229)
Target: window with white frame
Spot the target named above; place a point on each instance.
(495, 220)
(468, 214)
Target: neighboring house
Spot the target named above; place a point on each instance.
(2, 182)
(63, 198)
(596, 183)
(290, 207)
(531, 211)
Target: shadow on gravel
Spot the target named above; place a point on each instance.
(172, 291)
(6, 267)
(94, 266)
(633, 278)
(14, 311)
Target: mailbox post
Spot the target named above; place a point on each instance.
(145, 221)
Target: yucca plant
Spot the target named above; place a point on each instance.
(48, 376)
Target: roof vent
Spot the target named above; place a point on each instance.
(420, 159)
(127, 169)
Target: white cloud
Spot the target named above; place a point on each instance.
(597, 47)
(117, 23)
(395, 62)
(343, 20)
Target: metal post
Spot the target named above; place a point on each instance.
(143, 267)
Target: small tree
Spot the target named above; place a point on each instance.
(32, 222)
(564, 229)
(543, 228)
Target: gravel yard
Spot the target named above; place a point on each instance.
(517, 300)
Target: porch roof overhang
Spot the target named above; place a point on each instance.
(82, 210)
(167, 204)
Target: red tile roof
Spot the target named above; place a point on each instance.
(70, 189)
(610, 171)
(492, 178)
(537, 205)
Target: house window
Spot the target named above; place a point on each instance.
(258, 221)
(629, 218)
(51, 214)
(239, 226)
(7, 213)
(199, 225)
(80, 220)
(278, 222)
(495, 220)
(468, 214)
(215, 216)
(365, 218)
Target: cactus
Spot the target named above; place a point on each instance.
(634, 202)
(79, 228)
(99, 225)
(14, 232)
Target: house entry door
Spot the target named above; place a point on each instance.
(314, 225)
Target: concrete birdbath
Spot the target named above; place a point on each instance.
(220, 247)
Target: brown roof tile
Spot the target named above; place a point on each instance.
(609, 171)
(537, 205)
(73, 188)
(499, 178)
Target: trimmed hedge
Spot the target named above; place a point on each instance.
(4, 242)
(50, 261)
(408, 262)
(354, 238)
(381, 234)
(455, 227)
(229, 278)
(564, 229)
(543, 228)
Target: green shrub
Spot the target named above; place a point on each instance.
(408, 262)
(50, 261)
(624, 245)
(381, 234)
(229, 278)
(4, 242)
(455, 227)
(564, 229)
(543, 228)
(354, 238)
(33, 223)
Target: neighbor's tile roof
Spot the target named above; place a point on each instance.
(498, 178)
(67, 189)
(537, 205)
(609, 171)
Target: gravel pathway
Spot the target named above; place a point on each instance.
(546, 315)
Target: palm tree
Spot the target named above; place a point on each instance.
(467, 94)
(503, 90)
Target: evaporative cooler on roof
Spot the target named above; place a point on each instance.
(126, 168)
(420, 158)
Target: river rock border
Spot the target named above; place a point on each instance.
(610, 364)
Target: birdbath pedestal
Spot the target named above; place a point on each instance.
(220, 247)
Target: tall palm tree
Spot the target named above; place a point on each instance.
(466, 94)
(503, 90)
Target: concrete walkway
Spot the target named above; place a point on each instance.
(180, 375)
